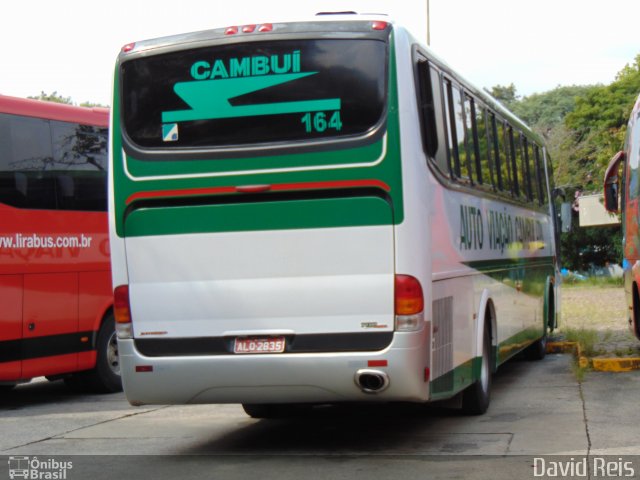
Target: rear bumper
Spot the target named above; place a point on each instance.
(275, 378)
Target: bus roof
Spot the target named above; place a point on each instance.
(54, 111)
(321, 22)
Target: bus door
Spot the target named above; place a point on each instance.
(47, 299)
(10, 326)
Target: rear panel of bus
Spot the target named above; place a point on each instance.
(256, 185)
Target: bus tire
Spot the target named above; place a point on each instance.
(634, 311)
(476, 398)
(264, 410)
(105, 377)
(538, 349)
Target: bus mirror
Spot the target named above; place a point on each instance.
(565, 217)
(612, 183)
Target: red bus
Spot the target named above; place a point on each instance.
(622, 195)
(56, 318)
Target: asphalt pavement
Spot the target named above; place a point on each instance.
(538, 409)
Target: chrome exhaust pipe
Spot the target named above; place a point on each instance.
(371, 381)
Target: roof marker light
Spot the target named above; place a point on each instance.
(248, 28)
(378, 25)
(128, 47)
(231, 30)
(265, 27)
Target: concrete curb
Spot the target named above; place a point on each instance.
(625, 364)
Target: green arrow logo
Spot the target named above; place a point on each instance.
(209, 99)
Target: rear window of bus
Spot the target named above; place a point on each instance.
(250, 93)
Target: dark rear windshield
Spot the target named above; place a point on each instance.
(262, 92)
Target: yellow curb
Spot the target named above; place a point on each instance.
(615, 364)
(598, 364)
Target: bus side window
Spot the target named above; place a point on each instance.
(528, 157)
(514, 150)
(25, 158)
(452, 139)
(52, 165)
(632, 146)
(457, 138)
(426, 108)
(542, 187)
(494, 149)
(482, 143)
(470, 138)
(80, 155)
(505, 167)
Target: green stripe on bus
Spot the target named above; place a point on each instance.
(456, 380)
(278, 215)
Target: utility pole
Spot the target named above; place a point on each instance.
(428, 29)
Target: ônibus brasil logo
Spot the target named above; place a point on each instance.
(33, 468)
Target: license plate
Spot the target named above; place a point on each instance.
(259, 345)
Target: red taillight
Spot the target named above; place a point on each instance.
(121, 306)
(378, 25)
(231, 30)
(408, 297)
(248, 28)
(128, 47)
(265, 27)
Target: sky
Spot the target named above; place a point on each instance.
(70, 46)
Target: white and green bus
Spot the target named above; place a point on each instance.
(321, 212)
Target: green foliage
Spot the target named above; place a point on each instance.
(598, 126)
(53, 97)
(505, 95)
(545, 111)
(92, 104)
(583, 247)
(572, 281)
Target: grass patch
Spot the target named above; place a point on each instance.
(586, 337)
(578, 371)
(573, 281)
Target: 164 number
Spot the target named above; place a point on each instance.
(318, 122)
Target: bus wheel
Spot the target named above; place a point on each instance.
(105, 377)
(476, 398)
(538, 349)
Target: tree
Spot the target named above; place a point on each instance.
(53, 97)
(93, 104)
(505, 94)
(598, 124)
(583, 247)
(546, 111)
